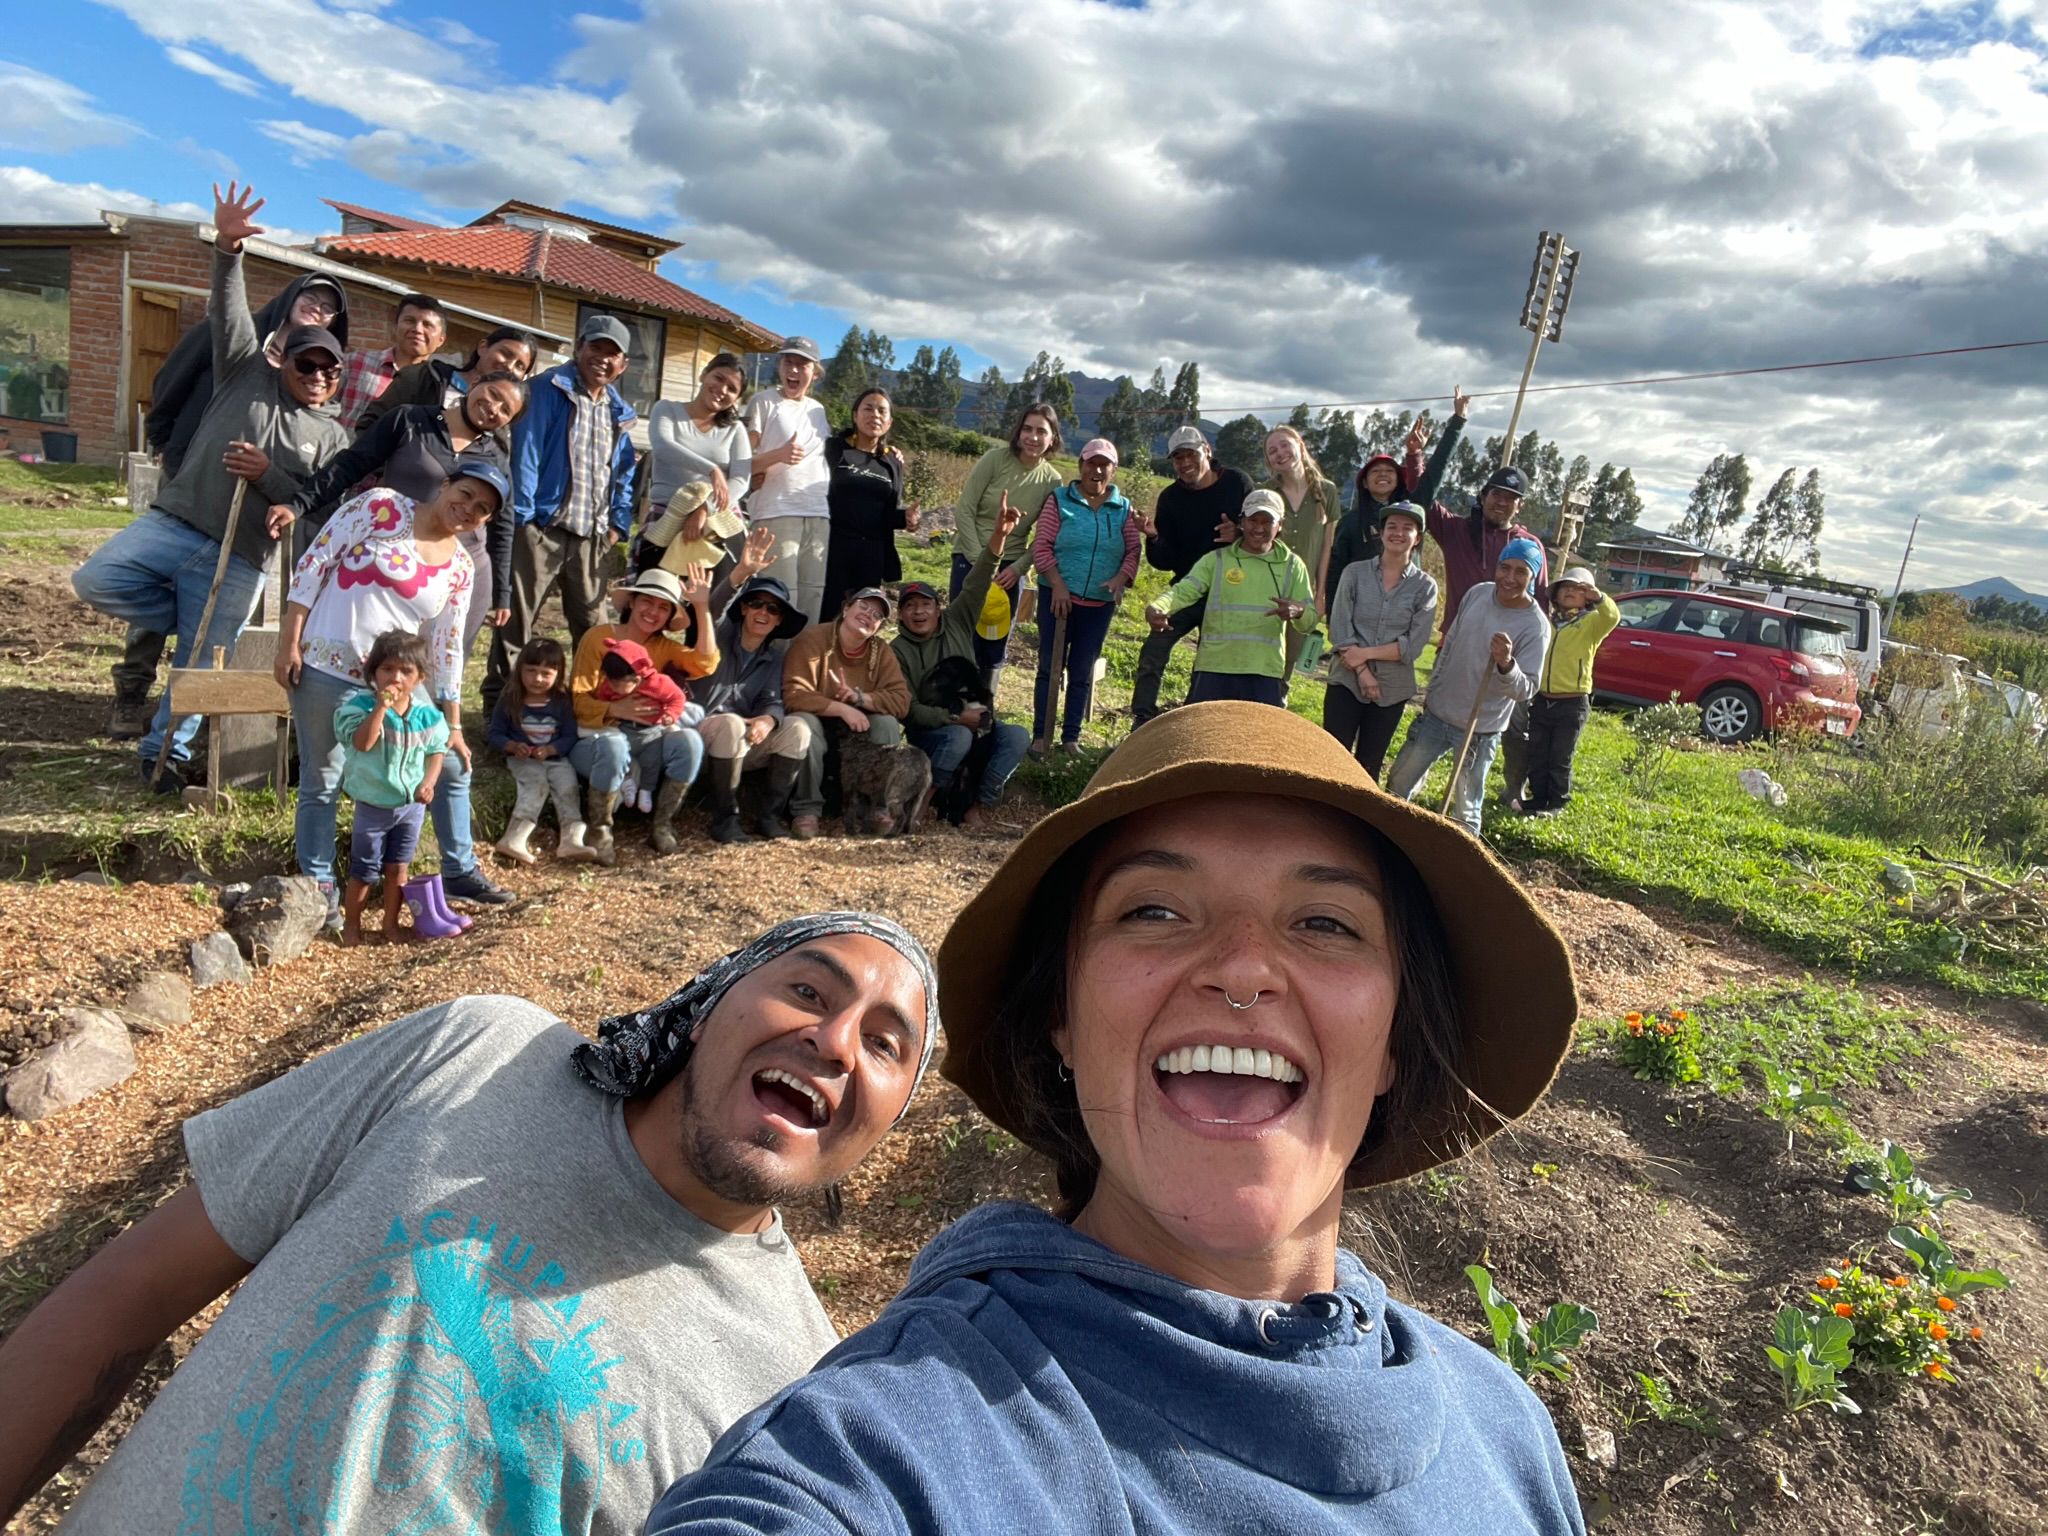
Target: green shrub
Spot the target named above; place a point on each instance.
(1653, 732)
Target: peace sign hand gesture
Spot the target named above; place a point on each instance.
(234, 216)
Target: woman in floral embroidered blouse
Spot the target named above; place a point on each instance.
(382, 562)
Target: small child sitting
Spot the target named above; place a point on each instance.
(629, 672)
(534, 726)
(392, 746)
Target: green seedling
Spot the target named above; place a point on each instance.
(1810, 1353)
(1529, 1350)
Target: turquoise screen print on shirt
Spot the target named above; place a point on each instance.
(449, 1383)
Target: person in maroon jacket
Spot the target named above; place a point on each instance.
(1471, 543)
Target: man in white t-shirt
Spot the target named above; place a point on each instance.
(493, 1276)
(788, 429)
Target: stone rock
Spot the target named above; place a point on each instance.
(231, 895)
(278, 920)
(93, 877)
(159, 1000)
(216, 959)
(1599, 1443)
(96, 1054)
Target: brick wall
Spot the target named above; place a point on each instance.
(95, 360)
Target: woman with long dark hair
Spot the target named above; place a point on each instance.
(1230, 983)
(866, 498)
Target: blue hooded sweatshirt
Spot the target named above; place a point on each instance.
(1028, 1379)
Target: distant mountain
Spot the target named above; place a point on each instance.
(1997, 586)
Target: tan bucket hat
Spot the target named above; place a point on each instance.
(1510, 972)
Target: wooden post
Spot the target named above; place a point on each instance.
(1059, 676)
(1465, 747)
(220, 571)
(1507, 450)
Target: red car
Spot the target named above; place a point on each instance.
(1749, 667)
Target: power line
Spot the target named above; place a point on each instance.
(1661, 378)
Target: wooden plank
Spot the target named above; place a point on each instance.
(197, 691)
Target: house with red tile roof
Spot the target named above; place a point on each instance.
(553, 270)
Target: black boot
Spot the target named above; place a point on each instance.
(722, 785)
(134, 676)
(781, 774)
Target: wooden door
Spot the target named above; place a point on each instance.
(154, 330)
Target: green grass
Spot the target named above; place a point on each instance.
(15, 518)
(93, 480)
(1699, 843)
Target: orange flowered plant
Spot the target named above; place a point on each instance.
(1843, 1309)
(1660, 1050)
(1937, 1332)
(1828, 1282)
(1945, 1303)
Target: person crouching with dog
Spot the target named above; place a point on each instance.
(952, 713)
(842, 680)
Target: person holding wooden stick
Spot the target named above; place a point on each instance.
(195, 560)
(1488, 663)
(1086, 551)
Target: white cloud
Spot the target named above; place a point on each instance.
(219, 74)
(1322, 202)
(31, 197)
(305, 142)
(45, 115)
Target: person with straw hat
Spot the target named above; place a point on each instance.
(1486, 665)
(1231, 982)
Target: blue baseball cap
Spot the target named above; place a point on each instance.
(486, 471)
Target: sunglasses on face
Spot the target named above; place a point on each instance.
(310, 368)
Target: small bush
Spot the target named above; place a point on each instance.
(1661, 1050)
(1653, 732)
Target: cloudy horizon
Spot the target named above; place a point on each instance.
(1315, 201)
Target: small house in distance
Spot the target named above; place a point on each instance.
(1632, 558)
(552, 270)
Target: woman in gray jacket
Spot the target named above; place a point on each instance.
(1381, 617)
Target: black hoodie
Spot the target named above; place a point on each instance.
(183, 385)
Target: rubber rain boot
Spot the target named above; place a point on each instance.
(667, 801)
(598, 805)
(782, 775)
(427, 921)
(725, 804)
(571, 850)
(437, 892)
(513, 844)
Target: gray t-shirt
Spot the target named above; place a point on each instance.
(1464, 662)
(473, 1308)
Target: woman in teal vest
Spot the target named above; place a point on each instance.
(1086, 552)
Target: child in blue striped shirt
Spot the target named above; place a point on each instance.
(392, 746)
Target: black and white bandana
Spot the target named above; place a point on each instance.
(635, 1053)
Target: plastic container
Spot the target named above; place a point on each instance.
(60, 447)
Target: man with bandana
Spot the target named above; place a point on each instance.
(493, 1276)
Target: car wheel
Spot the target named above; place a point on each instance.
(1730, 714)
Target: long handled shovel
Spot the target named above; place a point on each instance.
(220, 571)
(1059, 676)
(1465, 746)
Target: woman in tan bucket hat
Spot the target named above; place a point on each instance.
(1230, 982)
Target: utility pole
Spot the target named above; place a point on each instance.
(1892, 607)
(1543, 307)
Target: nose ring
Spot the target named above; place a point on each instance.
(1240, 1007)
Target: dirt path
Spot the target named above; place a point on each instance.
(1683, 1226)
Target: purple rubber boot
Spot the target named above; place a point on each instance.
(439, 894)
(427, 921)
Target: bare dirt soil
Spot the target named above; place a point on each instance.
(1680, 1218)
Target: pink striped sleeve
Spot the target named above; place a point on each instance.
(1048, 534)
(1132, 544)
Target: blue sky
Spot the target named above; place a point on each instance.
(1753, 182)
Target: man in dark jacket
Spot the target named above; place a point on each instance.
(268, 425)
(973, 754)
(745, 728)
(1471, 543)
(572, 491)
(1199, 511)
(177, 399)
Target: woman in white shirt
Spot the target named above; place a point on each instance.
(787, 429)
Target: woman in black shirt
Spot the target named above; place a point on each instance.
(866, 501)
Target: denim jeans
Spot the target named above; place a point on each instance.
(314, 702)
(949, 745)
(1429, 739)
(1087, 628)
(602, 757)
(155, 574)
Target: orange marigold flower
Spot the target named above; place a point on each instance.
(1632, 1019)
(1945, 1303)
(1666, 1029)
(1898, 1282)
(1828, 1282)
(1934, 1368)
(1679, 1015)
(1636, 1028)
(1843, 1309)
(1976, 1333)
(1937, 1331)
